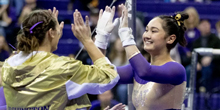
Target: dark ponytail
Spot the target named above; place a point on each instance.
(175, 25)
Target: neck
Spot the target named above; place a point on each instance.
(160, 58)
(45, 47)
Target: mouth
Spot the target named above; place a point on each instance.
(147, 41)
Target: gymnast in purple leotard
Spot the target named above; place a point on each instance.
(159, 85)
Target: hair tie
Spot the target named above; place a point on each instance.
(178, 17)
(34, 26)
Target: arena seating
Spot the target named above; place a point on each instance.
(148, 8)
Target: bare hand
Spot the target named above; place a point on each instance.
(119, 106)
(124, 17)
(55, 14)
(80, 29)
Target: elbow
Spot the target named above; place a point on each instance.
(143, 74)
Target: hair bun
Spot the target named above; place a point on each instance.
(180, 17)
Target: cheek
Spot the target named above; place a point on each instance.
(144, 35)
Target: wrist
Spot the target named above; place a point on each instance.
(126, 36)
(87, 41)
(102, 39)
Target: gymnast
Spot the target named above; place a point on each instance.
(35, 78)
(160, 84)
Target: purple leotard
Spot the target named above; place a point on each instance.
(140, 69)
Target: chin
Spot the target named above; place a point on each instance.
(53, 49)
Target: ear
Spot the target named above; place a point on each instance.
(171, 39)
(51, 34)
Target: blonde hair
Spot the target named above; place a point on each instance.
(196, 16)
(113, 54)
(217, 25)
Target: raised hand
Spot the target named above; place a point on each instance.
(125, 33)
(80, 29)
(56, 13)
(119, 106)
(105, 22)
(124, 17)
(105, 27)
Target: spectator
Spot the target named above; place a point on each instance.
(191, 34)
(3, 8)
(207, 65)
(30, 5)
(18, 4)
(4, 49)
(104, 100)
(217, 25)
(117, 56)
(86, 4)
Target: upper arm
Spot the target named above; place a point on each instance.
(169, 73)
(126, 74)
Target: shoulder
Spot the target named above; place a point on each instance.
(65, 61)
(177, 71)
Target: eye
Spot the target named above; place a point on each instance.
(146, 30)
(154, 31)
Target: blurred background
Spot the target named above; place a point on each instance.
(203, 30)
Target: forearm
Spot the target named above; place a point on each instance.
(131, 50)
(92, 50)
(103, 51)
(3, 8)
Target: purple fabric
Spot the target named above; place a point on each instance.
(126, 74)
(169, 73)
(2, 100)
(139, 80)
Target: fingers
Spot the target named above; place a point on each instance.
(55, 12)
(87, 23)
(116, 106)
(106, 108)
(61, 25)
(75, 18)
(125, 11)
(78, 20)
(73, 29)
(112, 13)
(100, 14)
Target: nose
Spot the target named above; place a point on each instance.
(146, 35)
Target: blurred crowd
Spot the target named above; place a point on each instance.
(199, 34)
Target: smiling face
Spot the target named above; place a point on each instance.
(154, 36)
